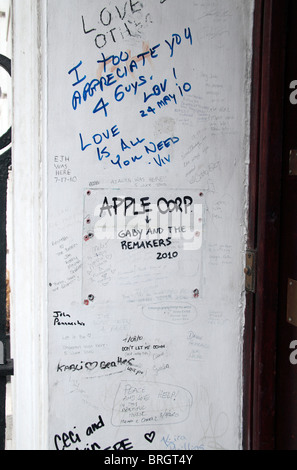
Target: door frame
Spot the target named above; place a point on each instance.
(259, 361)
(29, 318)
(260, 345)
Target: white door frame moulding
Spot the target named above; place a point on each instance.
(28, 298)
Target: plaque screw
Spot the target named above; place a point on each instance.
(196, 293)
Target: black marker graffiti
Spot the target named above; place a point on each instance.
(72, 440)
(129, 206)
(117, 23)
(91, 366)
(150, 437)
(64, 319)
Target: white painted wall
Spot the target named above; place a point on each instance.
(193, 389)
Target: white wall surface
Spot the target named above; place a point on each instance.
(147, 346)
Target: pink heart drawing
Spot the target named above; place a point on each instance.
(150, 437)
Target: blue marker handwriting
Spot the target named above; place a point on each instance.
(179, 442)
(176, 40)
(150, 152)
(122, 65)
